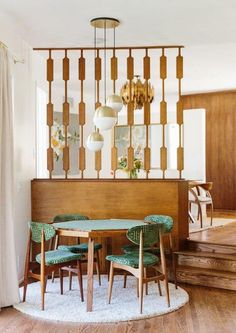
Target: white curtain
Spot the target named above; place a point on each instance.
(9, 293)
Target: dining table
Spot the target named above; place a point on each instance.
(92, 229)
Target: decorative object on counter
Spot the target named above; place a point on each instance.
(138, 165)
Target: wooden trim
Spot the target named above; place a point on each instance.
(108, 48)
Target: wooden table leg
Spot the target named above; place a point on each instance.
(90, 275)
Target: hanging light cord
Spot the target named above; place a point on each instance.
(105, 62)
(114, 45)
(95, 45)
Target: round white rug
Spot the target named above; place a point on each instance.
(124, 303)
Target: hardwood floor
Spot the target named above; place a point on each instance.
(209, 311)
(220, 235)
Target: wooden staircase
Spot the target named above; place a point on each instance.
(208, 260)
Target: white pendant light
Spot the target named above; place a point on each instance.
(95, 141)
(115, 102)
(105, 117)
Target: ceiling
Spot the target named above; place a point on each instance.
(48, 23)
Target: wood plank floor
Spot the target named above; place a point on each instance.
(209, 311)
(225, 235)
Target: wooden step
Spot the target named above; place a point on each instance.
(206, 277)
(210, 247)
(210, 260)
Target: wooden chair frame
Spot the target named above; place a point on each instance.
(206, 187)
(45, 271)
(72, 270)
(140, 273)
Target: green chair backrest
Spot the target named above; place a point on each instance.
(150, 234)
(165, 220)
(69, 217)
(36, 231)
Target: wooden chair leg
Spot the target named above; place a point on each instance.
(25, 288)
(70, 280)
(141, 292)
(27, 266)
(200, 214)
(42, 280)
(46, 280)
(80, 280)
(164, 270)
(98, 268)
(211, 213)
(137, 287)
(159, 287)
(125, 279)
(55, 247)
(111, 278)
(174, 260)
(61, 280)
(146, 284)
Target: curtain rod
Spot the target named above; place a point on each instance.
(108, 48)
(15, 58)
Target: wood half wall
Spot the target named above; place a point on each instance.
(220, 143)
(104, 199)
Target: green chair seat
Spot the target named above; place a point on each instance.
(58, 257)
(132, 259)
(133, 248)
(164, 220)
(69, 217)
(79, 248)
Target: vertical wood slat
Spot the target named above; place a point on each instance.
(114, 77)
(130, 111)
(179, 110)
(82, 106)
(163, 113)
(130, 163)
(97, 77)
(98, 162)
(50, 153)
(114, 68)
(66, 114)
(147, 116)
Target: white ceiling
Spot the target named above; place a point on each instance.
(47, 23)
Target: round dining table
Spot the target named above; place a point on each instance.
(91, 229)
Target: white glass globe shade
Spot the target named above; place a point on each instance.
(105, 118)
(95, 141)
(115, 102)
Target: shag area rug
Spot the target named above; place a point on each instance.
(124, 303)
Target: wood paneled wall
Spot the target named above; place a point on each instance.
(113, 199)
(220, 143)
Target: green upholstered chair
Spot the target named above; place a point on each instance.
(167, 225)
(47, 261)
(135, 262)
(78, 248)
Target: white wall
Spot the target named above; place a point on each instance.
(24, 130)
(195, 144)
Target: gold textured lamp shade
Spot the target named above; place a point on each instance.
(138, 94)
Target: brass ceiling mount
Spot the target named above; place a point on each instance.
(105, 22)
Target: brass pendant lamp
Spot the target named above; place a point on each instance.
(105, 116)
(138, 94)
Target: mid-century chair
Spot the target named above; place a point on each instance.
(78, 248)
(200, 197)
(167, 225)
(136, 262)
(47, 261)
